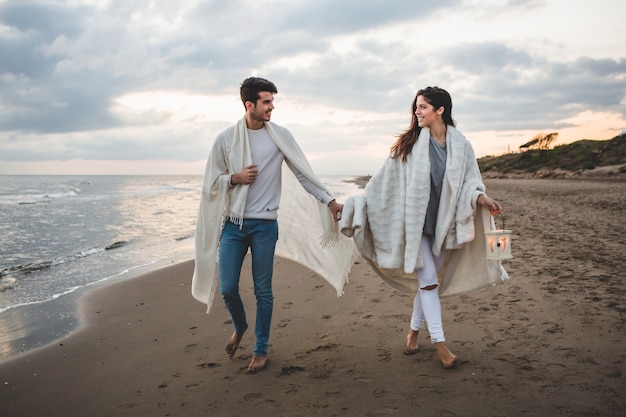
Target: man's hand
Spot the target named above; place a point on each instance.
(335, 209)
(247, 176)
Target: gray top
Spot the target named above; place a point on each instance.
(438, 156)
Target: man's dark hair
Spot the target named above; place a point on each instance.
(251, 87)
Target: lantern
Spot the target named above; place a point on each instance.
(498, 243)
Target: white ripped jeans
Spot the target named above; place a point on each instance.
(426, 306)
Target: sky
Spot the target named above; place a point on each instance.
(95, 87)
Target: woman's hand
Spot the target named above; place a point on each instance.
(490, 204)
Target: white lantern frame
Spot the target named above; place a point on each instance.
(498, 244)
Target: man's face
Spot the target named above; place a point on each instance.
(261, 111)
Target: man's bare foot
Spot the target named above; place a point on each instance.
(411, 347)
(447, 358)
(233, 343)
(257, 363)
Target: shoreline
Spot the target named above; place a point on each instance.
(360, 181)
(37, 325)
(28, 328)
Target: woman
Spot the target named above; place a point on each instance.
(432, 109)
(421, 214)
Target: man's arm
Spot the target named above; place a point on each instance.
(336, 209)
(317, 192)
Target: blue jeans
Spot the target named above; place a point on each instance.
(260, 236)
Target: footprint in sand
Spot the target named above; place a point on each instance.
(206, 365)
(384, 354)
(444, 413)
(553, 328)
(494, 344)
(379, 392)
(126, 406)
(288, 370)
(459, 317)
(252, 396)
(404, 318)
(292, 389)
(322, 372)
(328, 346)
(189, 348)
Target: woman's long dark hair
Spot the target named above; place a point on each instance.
(437, 97)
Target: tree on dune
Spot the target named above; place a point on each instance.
(541, 141)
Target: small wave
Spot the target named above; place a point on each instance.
(168, 188)
(75, 288)
(52, 297)
(116, 245)
(41, 265)
(70, 193)
(7, 282)
(26, 268)
(165, 189)
(23, 199)
(79, 255)
(33, 202)
(178, 239)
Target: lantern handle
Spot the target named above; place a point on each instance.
(502, 199)
(494, 219)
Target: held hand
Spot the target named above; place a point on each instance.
(247, 176)
(490, 204)
(335, 209)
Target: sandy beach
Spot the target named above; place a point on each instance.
(548, 342)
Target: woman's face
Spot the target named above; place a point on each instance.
(426, 114)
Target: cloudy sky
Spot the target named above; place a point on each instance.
(143, 87)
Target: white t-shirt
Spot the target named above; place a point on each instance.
(264, 193)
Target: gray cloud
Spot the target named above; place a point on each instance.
(63, 65)
(332, 17)
(32, 24)
(510, 89)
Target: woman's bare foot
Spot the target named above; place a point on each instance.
(233, 343)
(411, 347)
(257, 363)
(447, 358)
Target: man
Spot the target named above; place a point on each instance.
(239, 210)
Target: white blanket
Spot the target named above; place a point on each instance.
(307, 233)
(387, 222)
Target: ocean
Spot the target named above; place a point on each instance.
(60, 235)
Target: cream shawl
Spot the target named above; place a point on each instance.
(307, 233)
(386, 222)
